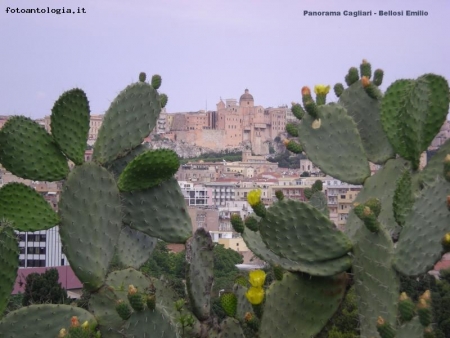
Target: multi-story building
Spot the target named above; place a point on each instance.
(196, 195)
(340, 197)
(199, 172)
(223, 191)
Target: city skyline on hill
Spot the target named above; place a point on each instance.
(205, 51)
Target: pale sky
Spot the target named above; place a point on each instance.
(207, 49)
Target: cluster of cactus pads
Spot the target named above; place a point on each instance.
(126, 199)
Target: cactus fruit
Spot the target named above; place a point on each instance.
(237, 223)
(292, 129)
(156, 81)
(406, 308)
(278, 272)
(252, 321)
(352, 76)
(151, 302)
(294, 147)
(385, 329)
(228, 301)
(136, 299)
(424, 312)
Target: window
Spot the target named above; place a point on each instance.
(31, 263)
(36, 250)
(22, 237)
(343, 196)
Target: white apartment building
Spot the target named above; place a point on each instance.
(195, 195)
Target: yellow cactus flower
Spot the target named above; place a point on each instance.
(85, 325)
(254, 197)
(255, 295)
(321, 89)
(257, 278)
(62, 333)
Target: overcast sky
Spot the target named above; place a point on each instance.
(207, 49)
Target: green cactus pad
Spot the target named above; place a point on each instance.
(20, 140)
(411, 329)
(117, 166)
(42, 320)
(412, 113)
(382, 186)
(403, 198)
(9, 262)
(298, 231)
(102, 305)
(130, 118)
(199, 275)
(135, 247)
(376, 282)
(418, 249)
(120, 280)
(255, 243)
(338, 152)
(156, 323)
(319, 201)
(433, 169)
(365, 111)
(159, 212)
(228, 301)
(90, 222)
(230, 328)
(243, 305)
(301, 305)
(70, 124)
(148, 170)
(156, 81)
(25, 208)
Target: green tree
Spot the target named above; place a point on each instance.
(44, 288)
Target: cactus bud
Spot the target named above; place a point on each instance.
(252, 223)
(294, 147)
(291, 129)
(352, 76)
(365, 69)
(375, 205)
(123, 310)
(131, 290)
(279, 195)
(237, 223)
(156, 81)
(151, 302)
(338, 89)
(306, 91)
(142, 77)
(385, 329)
(365, 81)
(278, 272)
(163, 98)
(74, 322)
(406, 307)
(297, 110)
(251, 321)
(378, 77)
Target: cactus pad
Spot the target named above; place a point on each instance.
(20, 140)
(117, 166)
(70, 124)
(417, 250)
(319, 201)
(156, 323)
(300, 305)
(42, 320)
(102, 305)
(298, 231)
(230, 328)
(25, 208)
(130, 118)
(90, 222)
(159, 212)
(135, 247)
(410, 329)
(338, 152)
(382, 186)
(365, 111)
(9, 263)
(199, 278)
(149, 169)
(376, 282)
(412, 112)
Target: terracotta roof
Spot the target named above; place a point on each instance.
(67, 278)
